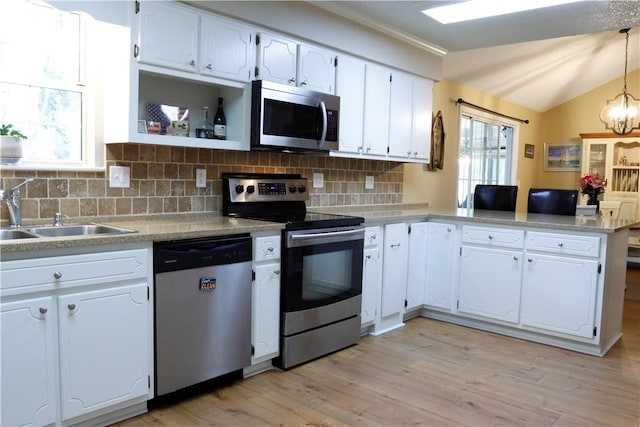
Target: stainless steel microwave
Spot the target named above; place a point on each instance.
(287, 118)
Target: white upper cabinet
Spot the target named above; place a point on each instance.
(285, 61)
(168, 35)
(316, 69)
(350, 76)
(227, 49)
(277, 59)
(376, 109)
(410, 117)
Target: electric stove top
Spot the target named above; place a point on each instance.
(276, 198)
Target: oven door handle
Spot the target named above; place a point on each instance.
(307, 239)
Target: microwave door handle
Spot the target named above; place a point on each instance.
(323, 113)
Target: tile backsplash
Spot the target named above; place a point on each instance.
(163, 181)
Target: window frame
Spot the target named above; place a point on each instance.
(92, 145)
(492, 119)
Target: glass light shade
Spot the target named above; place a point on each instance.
(621, 114)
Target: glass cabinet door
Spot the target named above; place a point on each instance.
(596, 157)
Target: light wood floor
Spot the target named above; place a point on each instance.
(435, 374)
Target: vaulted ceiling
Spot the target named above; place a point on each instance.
(537, 59)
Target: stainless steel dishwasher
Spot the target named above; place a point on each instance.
(202, 310)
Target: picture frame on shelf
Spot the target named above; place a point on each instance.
(529, 151)
(562, 156)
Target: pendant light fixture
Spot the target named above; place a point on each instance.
(622, 113)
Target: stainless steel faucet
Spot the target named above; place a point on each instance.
(12, 197)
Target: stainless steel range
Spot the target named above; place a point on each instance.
(321, 288)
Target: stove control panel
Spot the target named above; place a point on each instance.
(266, 190)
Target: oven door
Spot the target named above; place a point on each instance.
(321, 267)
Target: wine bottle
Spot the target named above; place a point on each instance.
(220, 123)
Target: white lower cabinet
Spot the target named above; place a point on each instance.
(371, 275)
(441, 265)
(559, 289)
(491, 273)
(103, 355)
(394, 277)
(490, 283)
(265, 316)
(417, 265)
(84, 350)
(28, 374)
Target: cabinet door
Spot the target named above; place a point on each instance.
(421, 123)
(277, 58)
(490, 283)
(400, 115)
(103, 348)
(440, 265)
(559, 294)
(417, 265)
(376, 110)
(227, 49)
(28, 374)
(371, 284)
(350, 77)
(394, 274)
(168, 35)
(266, 311)
(316, 69)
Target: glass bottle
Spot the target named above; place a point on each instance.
(220, 123)
(204, 129)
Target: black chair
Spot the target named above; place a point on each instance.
(495, 197)
(550, 201)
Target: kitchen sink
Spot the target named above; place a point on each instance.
(12, 234)
(77, 230)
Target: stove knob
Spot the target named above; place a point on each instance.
(292, 189)
(302, 188)
(251, 189)
(239, 188)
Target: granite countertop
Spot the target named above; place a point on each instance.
(188, 226)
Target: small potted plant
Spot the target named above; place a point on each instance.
(10, 144)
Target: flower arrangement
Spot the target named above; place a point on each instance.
(592, 185)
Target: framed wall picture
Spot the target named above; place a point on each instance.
(529, 150)
(562, 156)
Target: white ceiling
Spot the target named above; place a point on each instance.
(537, 59)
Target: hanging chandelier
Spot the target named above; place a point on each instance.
(622, 113)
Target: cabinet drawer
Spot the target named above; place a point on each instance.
(266, 248)
(40, 274)
(563, 244)
(372, 236)
(501, 237)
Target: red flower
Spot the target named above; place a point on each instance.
(589, 183)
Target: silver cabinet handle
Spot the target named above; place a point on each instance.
(209, 67)
(529, 259)
(43, 310)
(276, 273)
(449, 229)
(373, 237)
(71, 306)
(560, 245)
(270, 249)
(368, 256)
(368, 149)
(292, 80)
(192, 63)
(408, 153)
(304, 83)
(415, 153)
(397, 245)
(515, 258)
(57, 275)
(490, 237)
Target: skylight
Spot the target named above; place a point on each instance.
(476, 9)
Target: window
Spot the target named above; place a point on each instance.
(485, 153)
(44, 93)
